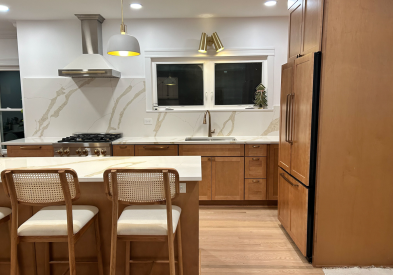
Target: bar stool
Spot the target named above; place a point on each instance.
(148, 218)
(55, 222)
(5, 216)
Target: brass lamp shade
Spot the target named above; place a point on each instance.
(203, 44)
(217, 42)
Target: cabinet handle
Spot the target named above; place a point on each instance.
(290, 138)
(256, 159)
(255, 181)
(31, 148)
(123, 147)
(286, 118)
(287, 180)
(256, 146)
(155, 147)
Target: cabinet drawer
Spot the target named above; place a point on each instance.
(30, 151)
(219, 150)
(256, 150)
(255, 167)
(156, 150)
(255, 189)
(123, 150)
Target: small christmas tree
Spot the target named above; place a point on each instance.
(260, 96)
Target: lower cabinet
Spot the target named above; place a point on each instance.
(272, 172)
(123, 150)
(255, 189)
(30, 151)
(292, 209)
(205, 186)
(227, 178)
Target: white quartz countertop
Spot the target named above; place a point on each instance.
(181, 140)
(91, 169)
(33, 141)
(152, 140)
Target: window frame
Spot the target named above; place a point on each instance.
(191, 56)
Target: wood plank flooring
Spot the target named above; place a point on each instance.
(247, 240)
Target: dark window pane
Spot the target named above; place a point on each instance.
(10, 91)
(235, 83)
(179, 84)
(12, 126)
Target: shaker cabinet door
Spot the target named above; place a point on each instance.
(300, 132)
(295, 30)
(228, 178)
(286, 91)
(284, 212)
(205, 186)
(312, 26)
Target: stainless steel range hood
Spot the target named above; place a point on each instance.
(91, 64)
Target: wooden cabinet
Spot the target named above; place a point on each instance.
(286, 91)
(292, 209)
(123, 150)
(255, 189)
(255, 150)
(255, 167)
(30, 151)
(305, 28)
(301, 118)
(233, 150)
(272, 172)
(228, 178)
(205, 186)
(156, 150)
(295, 30)
(296, 114)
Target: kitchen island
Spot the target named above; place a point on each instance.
(90, 170)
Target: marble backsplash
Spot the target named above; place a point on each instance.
(56, 107)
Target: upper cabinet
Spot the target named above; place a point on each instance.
(305, 28)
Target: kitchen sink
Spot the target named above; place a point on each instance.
(210, 139)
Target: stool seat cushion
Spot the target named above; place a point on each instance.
(4, 212)
(52, 220)
(143, 220)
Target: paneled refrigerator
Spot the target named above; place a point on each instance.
(300, 82)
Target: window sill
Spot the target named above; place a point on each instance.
(10, 109)
(211, 110)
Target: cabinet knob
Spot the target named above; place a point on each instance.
(255, 181)
(256, 146)
(255, 159)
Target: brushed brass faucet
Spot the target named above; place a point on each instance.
(210, 123)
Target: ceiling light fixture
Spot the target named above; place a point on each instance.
(209, 41)
(4, 8)
(136, 6)
(270, 3)
(123, 44)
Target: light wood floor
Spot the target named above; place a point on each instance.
(247, 240)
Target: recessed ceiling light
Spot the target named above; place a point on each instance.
(4, 8)
(270, 3)
(136, 6)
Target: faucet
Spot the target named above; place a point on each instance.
(210, 123)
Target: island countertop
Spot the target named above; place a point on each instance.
(92, 169)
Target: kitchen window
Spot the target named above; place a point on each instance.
(214, 84)
(11, 116)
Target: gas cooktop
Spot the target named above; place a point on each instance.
(91, 138)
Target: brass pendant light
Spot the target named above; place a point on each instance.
(123, 44)
(209, 41)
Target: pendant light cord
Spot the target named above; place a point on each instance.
(123, 27)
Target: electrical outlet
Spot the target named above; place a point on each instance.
(183, 187)
(148, 121)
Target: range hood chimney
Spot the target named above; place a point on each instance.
(91, 64)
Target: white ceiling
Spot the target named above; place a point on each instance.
(65, 9)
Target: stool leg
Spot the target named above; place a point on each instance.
(47, 259)
(171, 252)
(180, 249)
(127, 262)
(98, 246)
(71, 256)
(14, 245)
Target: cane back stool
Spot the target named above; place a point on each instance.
(150, 216)
(58, 220)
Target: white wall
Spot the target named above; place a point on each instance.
(46, 46)
(8, 52)
(55, 106)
